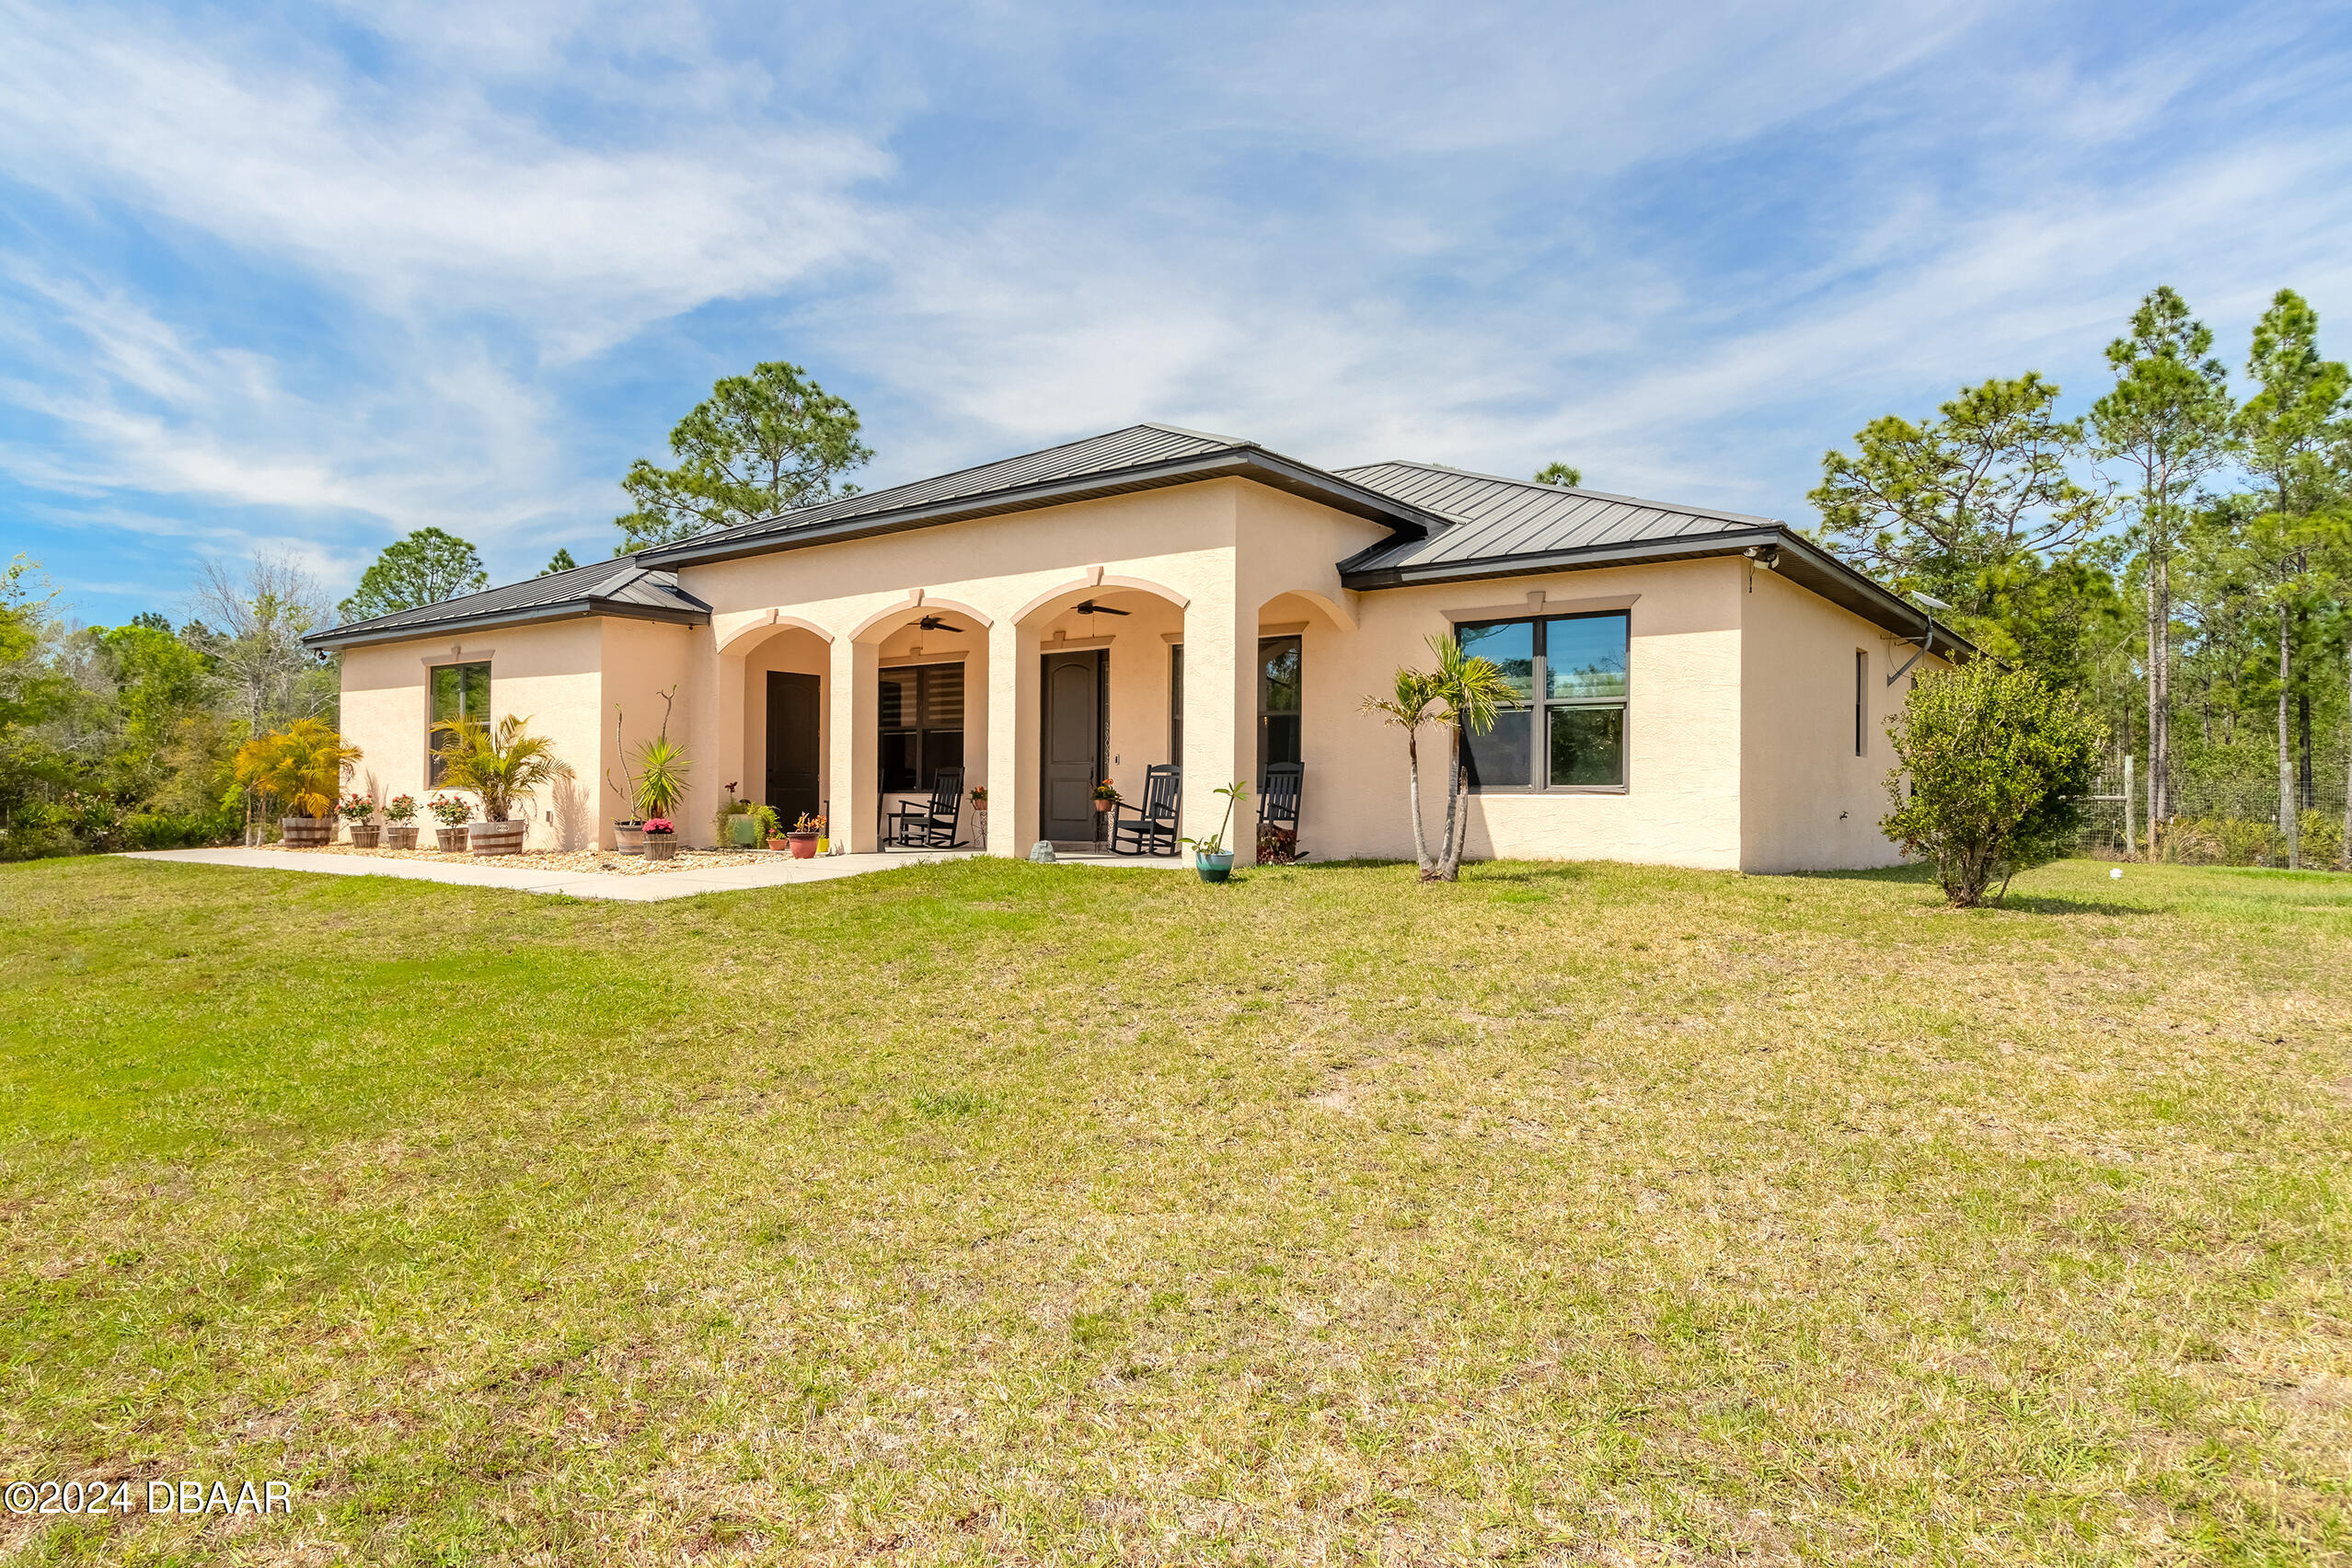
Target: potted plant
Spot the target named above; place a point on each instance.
(355, 810)
(1211, 859)
(453, 812)
(658, 786)
(802, 840)
(302, 765)
(770, 831)
(980, 815)
(400, 823)
(738, 824)
(501, 766)
(660, 838)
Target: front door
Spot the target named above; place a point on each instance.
(1073, 729)
(792, 789)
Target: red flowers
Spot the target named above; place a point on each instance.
(660, 824)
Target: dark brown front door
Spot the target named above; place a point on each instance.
(792, 787)
(1073, 729)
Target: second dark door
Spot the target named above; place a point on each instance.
(792, 787)
(1073, 731)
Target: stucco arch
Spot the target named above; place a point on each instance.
(743, 637)
(1097, 583)
(1338, 614)
(890, 617)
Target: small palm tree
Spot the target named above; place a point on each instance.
(1474, 691)
(1463, 692)
(1413, 705)
(500, 767)
(302, 765)
(661, 770)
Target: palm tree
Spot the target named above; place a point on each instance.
(1474, 690)
(302, 765)
(1413, 705)
(499, 766)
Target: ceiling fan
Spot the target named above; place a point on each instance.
(1088, 607)
(933, 623)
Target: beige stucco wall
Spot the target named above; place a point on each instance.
(554, 675)
(1807, 803)
(1738, 724)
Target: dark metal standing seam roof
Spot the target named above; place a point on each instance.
(617, 587)
(1136, 446)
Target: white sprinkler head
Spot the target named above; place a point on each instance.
(2115, 873)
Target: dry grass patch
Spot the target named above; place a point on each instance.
(991, 1212)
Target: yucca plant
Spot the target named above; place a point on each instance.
(499, 766)
(302, 765)
(661, 770)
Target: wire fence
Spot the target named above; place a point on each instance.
(2232, 821)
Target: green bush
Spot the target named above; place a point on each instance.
(1995, 771)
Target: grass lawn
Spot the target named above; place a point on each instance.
(989, 1213)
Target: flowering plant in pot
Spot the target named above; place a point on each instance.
(1106, 795)
(453, 812)
(656, 786)
(1211, 859)
(501, 765)
(355, 810)
(400, 823)
(660, 838)
(979, 793)
(302, 765)
(802, 840)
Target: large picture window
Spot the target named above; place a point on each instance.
(922, 724)
(1565, 728)
(459, 691)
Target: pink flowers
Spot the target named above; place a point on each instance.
(660, 824)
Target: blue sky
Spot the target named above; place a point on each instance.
(303, 279)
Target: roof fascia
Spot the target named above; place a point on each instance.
(335, 638)
(1253, 463)
(1800, 560)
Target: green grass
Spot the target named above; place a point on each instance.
(989, 1213)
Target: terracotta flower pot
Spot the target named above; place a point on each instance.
(450, 840)
(779, 842)
(802, 844)
(661, 846)
(496, 837)
(366, 834)
(629, 836)
(307, 833)
(399, 835)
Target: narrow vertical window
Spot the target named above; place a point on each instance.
(1861, 703)
(1278, 715)
(1176, 703)
(459, 691)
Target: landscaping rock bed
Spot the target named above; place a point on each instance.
(568, 859)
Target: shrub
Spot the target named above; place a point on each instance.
(500, 765)
(1995, 769)
(302, 765)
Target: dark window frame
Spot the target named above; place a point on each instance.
(1862, 702)
(925, 764)
(1540, 702)
(1266, 715)
(436, 763)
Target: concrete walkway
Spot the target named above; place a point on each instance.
(643, 887)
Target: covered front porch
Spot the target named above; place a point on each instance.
(922, 702)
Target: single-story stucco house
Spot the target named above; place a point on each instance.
(1700, 688)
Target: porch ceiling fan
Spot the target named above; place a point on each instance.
(1088, 607)
(933, 623)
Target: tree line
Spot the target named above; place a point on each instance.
(2180, 553)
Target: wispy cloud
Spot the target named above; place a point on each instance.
(348, 273)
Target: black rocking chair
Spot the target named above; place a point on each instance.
(1150, 828)
(1278, 796)
(929, 825)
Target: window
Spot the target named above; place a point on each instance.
(922, 724)
(1862, 702)
(459, 691)
(1278, 717)
(1565, 729)
(1176, 703)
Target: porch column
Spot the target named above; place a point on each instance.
(1221, 721)
(1013, 739)
(852, 784)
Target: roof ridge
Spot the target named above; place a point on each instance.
(1184, 430)
(1676, 506)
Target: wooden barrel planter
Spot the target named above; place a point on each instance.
(497, 838)
(366, 834)
(307, 833)
(661, 846)
(628, 837)
(399, 835)
(450, 840)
